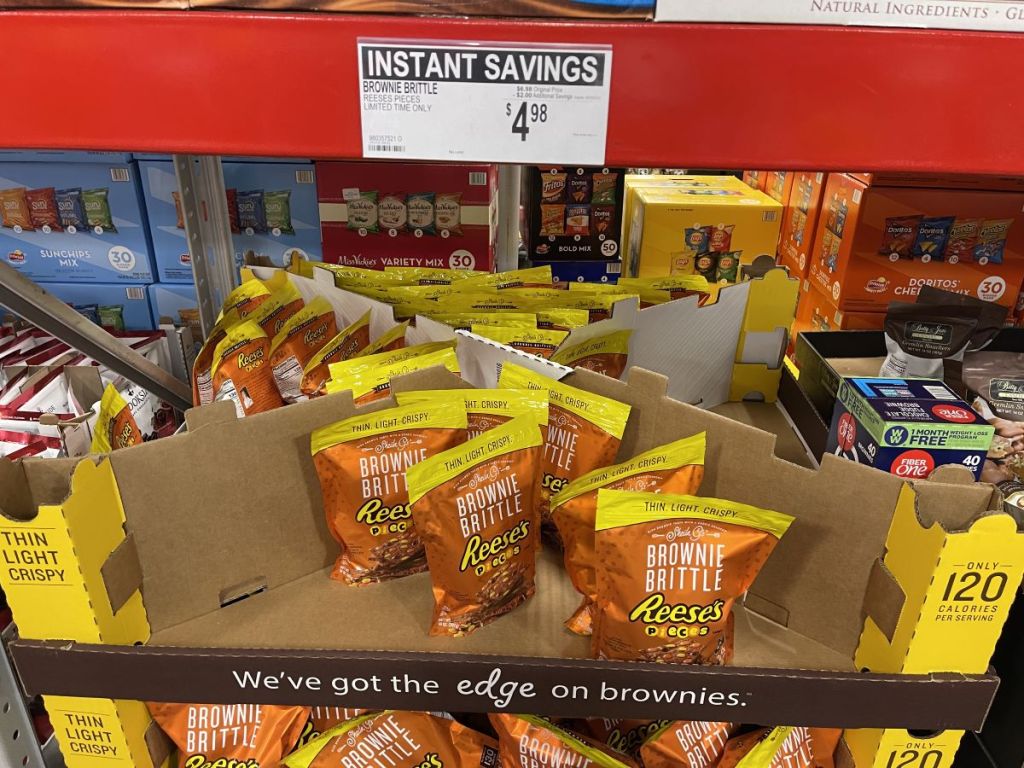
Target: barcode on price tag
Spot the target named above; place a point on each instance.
(472, 101)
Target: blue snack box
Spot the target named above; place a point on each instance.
(167, 299)
(907, 427)
(62, 156)
(133, 300)
(583, 271)
(78, 243)
(260, 242)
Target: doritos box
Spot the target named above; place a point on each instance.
(74, 222)
(816, 312)
(877, 244)
(390, 214)
(778, 184)
(799, 221)
(907, 427)
(272, 209)
(705, 231)
(755, 179)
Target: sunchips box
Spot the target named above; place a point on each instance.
(799, 221)
(89, 298)
(707, 231)
(877, 244)
(271, 206)
(74, 222)
(381, 214)
(907, 427)
(574, 214)
(168, 299)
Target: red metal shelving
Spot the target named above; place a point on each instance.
(682, 95)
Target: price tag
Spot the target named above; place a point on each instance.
(477, 101)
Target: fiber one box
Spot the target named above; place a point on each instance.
(799, 221)
(907, 427)
(876, 244)
(81, 222)
(384, 214)
(707, 231)
(168, 299)
(272, 207)
(132, 299)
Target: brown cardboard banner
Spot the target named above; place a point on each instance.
(464, 683)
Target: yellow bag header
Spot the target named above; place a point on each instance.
(430, 412)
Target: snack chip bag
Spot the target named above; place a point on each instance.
(932, 236)
(677, 467)
(577, 220)
(97, 210)
(448, 213)
(625, 736)
(532, 277)
(552, 187)
(374, 383)
(486, 408)
(365, 363)
(284, 301)
(245, 297)
(278, 209)
(584, 431)
(243, 735)
(475, 507)
(552, 220)
(562, 319)
(720, 240)
(115, 425)
(42, 208)
(782, 747)
(304, 334)
(393, 739)
(392, 211)
(686, 744)
(202, 374)
(362, 463)
(252, 212)
(991, 241)
(899, 235)
(389, 341)
(697, 239)
(242, 372)
(362, 212)
(668, 598)
(706, 266)
(601, 218)
(420, 211)
(962, 237)
(322, 719)
(727, 269)
(14, 209)
(605, 354)
(579, 188)
(604, 188)
(533, 341)
(526, 741)
(71, 209)
(344, 345)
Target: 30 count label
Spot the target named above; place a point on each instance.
(468, 101)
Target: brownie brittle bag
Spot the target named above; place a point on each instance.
(303, 335)
(526, 741)
(625, 736)
(782, 747)
(605, 354)
(686, 744)
(669, 569)
(241, 370)
(362, 463)
(486, 408)
(475, 507)
(677, 467)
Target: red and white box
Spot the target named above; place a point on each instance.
(406, 236)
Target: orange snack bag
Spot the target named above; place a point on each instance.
(393, 739)
(486, 408)
(322, 719)
(344, 345)
(362, 463)
(275, 311)
(674, 468)
(535, 341)
(202, 375)
(242, 735)
(625, 736)
(373, 381)
(303, 335)
(241, 370)
(584, 430)
(782, 747)
(669, 568)
(686, 744)
(388, 341)
(474, 506)
(604, 354)
(532, 277)
(245, 297)
(526, 741)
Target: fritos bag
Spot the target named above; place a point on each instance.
(677, 467)
(304, 334)
(605, 354)
(584, 430)
(398, 740)
(343, 346)
(782, 747)
(534, 341)
(669, 568)
(242, 372)
(115, 425)
(372, 384)
(486, 408)
(686, 744)
(475, 507)
(525, 741)
(362, 463)
(625, 736)
(240, 735)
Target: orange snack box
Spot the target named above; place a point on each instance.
(799, 222)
